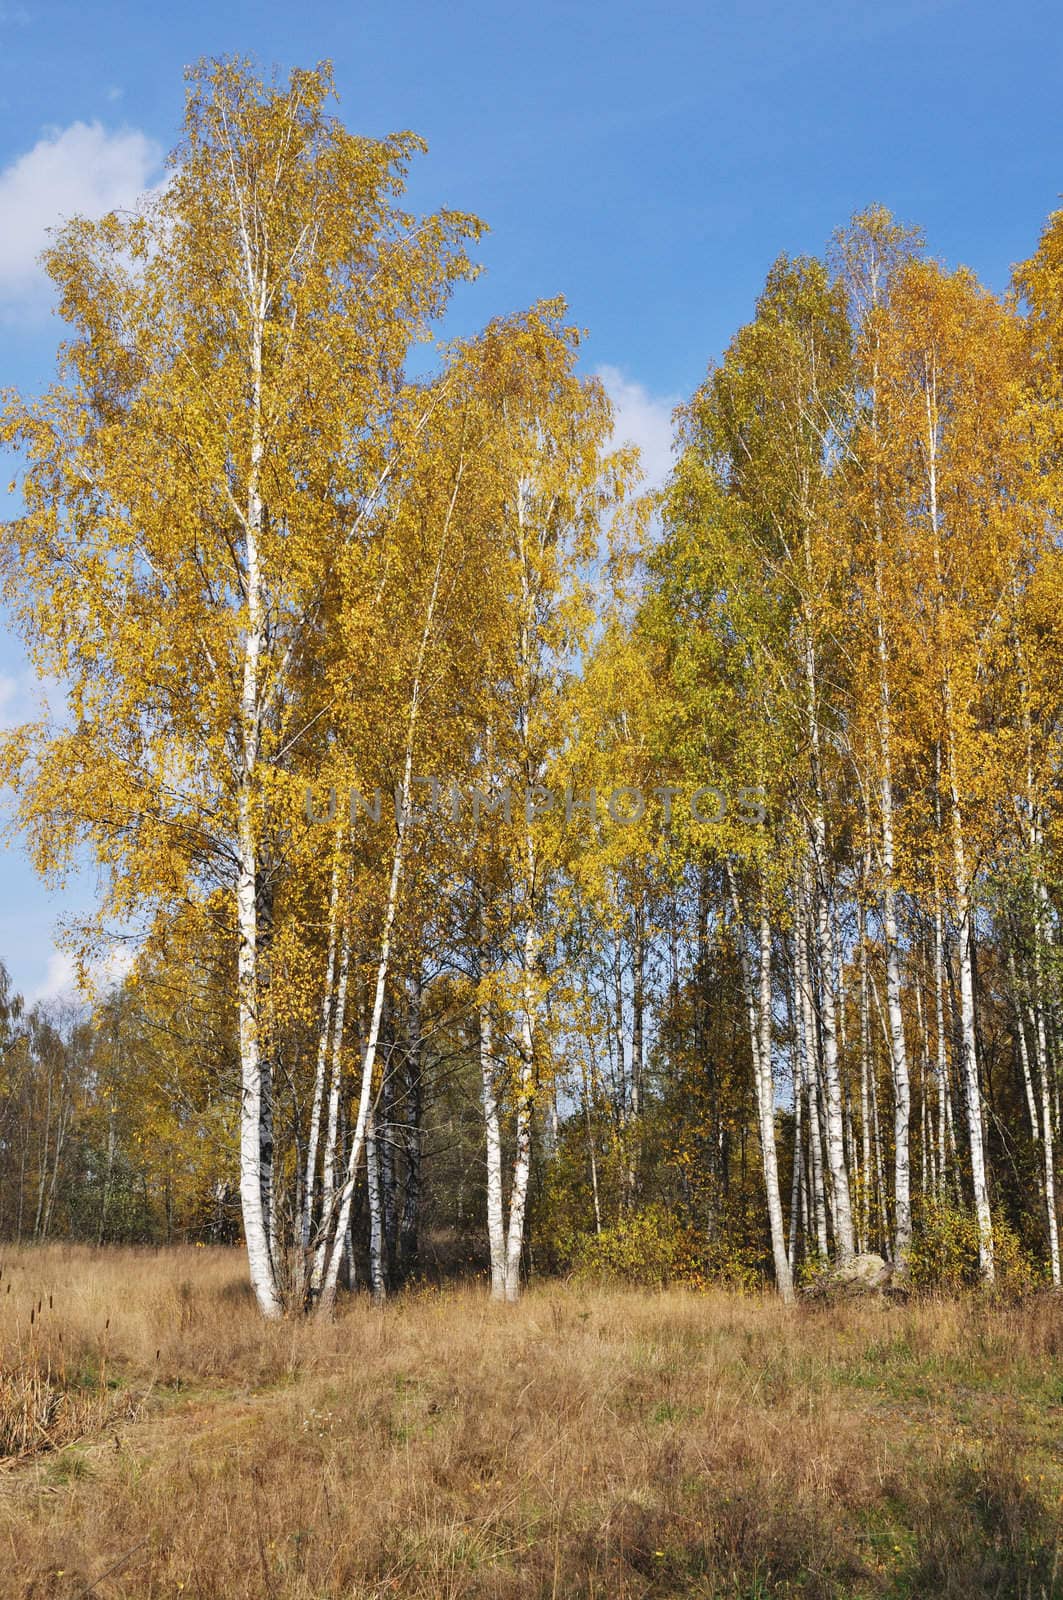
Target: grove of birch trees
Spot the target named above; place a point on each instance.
(520, 866)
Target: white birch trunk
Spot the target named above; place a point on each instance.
(758, 996)
(518, 1196)
(902, 1096)
(941, 1055)
(1022, 1010)
(808, 1053)
(341, 1203)
(254, 1091)
(496, 1238)
(766, 1115)
(961, 887)
(332, 1123)
(797, 1179)
(968, 1040)
(972, 1092)
(376, 1230)
(843, 1219)
(902, 1092)
(314, 1135)
(1044, 1074)
(867, 1175)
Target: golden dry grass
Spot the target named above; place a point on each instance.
(587, 1443)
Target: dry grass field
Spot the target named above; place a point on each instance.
(159, 1440)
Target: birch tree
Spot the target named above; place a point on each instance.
(222, 426)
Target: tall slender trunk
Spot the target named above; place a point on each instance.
(332, 1122)
(409, 1227)
(902, 1097)
(798, 1173)
(342, 1201)
(941, 1059)
(835, 1128)
(255, 1086)
(389, 1175)
(1040, 935)
(377, 1280)
(932, 1185)
(960, 874)
(902, 1093)
(592, 1155)
(968, 1039)
(867, 1173)
(880, 1171)
(758, 994)
(808, 1053)
(324, 1030)
(824, 929)
(766, 1114)
(518, 1195)
(496, 1237)
(1022, 1011)
(638, 987)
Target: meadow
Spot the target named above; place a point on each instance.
(160, 1439)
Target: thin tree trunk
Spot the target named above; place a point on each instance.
(332, 1124)
(835, 1129)
(865, 1075)
(518, 1195)
(759, 1011)
(376, 1233)
(591, 1152)
(342, 1201)
(389, 1177)
(945, 1137)
(808, 1056)
(968, 1039)
(411, 1196)
(324, 1030)
(1020, 1008)
(797, 1179)
(1040, 933)
(496, 1237)
(255, 1086)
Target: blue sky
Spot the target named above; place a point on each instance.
(648, 161)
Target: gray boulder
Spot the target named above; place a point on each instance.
(866, 1275)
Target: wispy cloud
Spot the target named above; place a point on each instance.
(25, 697)
(84, 170)
(60, 981)
(643, 419)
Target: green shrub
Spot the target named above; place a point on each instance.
(650, 1247)
(944, 1253)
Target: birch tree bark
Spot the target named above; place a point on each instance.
(758, 997)
(493, 1133)
(254, 1103)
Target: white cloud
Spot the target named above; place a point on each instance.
(60, 982)
(9, 698)
(81, 170)
(643, 419)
